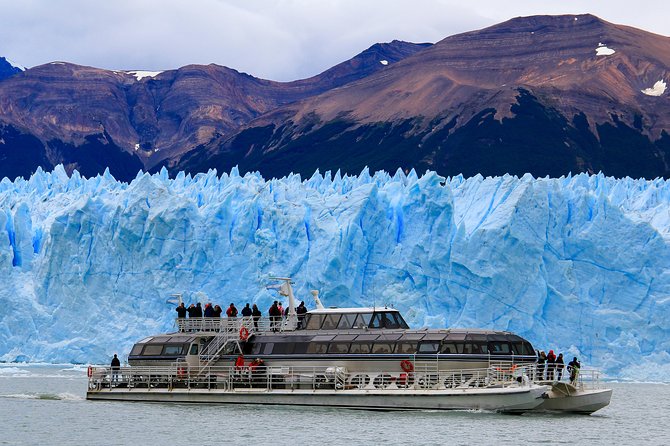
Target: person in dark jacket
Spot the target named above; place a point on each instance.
(301, 311)
(181, 311)
(541, 360)
(275, 316)
(573, 369)
(198, 310)
(551, 364)
(115, 366)
(209, 310)
(559, 366)
(246, 311)
(191, 310)
(217, 311)
(256, 314)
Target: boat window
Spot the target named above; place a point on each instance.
(390, 321)
(300, 348)
(429, 347)
(382, 347)
(338, 347)
(347, 321)
(366, 337)
(344, 338)
(358, 347)
(475, 348)
(152, 350)
(257, 349)
(330, 322)
(283, 348)
(137, 349)
(267, 348)
(499, 348)
(451, 348)
(363, 320)
(172, 350)
(523, 348)
(406, 348)
(401, 322)
(194, 349)
(314, 321)
(377, 321)
(317, 347)
(180, 339)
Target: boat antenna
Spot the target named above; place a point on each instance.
(319, 305)
(175, 298)
(285, 289)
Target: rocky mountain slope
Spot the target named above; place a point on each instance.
(546, 95)
(90, 119)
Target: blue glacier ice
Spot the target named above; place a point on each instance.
(577, 264)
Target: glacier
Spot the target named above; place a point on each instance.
(577, 264)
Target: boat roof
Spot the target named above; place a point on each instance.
(350, 310)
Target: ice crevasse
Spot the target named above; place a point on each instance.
(577, 264)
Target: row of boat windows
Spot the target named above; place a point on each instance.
(388, 319)
(159, 349)
(494, 348)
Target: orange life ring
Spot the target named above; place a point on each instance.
(89, 372)
(244, 333)
(407, 366)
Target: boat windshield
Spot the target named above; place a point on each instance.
(378, 319)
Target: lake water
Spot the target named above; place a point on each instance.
(46, 405)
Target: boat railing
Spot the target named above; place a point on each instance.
(257, 376)
(234, 325)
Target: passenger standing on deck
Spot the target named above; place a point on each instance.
(191, 310)
(217, 311)
(559, 366)
(115, 365)
(573, 369)
(209, 310)
(541, 360)
(246, 311)
(198, 310)
(256, 314)
(181, 311)
(275, 316)
(301, 311)
(231, 311)
(281, 309)
(551, 365)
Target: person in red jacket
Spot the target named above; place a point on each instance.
(231, 311)
(551, 365)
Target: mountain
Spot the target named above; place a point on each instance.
(7, 69)
(90, 119)
(545, 95)
(576, 264)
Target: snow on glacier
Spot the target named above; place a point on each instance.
(576, 264)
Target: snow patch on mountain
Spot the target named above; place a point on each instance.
(139, 75)
(657, 90)
(576, 264)
(602, 50)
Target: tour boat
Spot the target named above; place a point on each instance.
(347, 357)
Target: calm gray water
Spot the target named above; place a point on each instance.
(45, 405)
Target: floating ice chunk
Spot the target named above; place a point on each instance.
(139, 75)
(137, 146)
(602, 50)
(657, 90)
(384, 62)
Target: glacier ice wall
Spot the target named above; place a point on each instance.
(577, 264)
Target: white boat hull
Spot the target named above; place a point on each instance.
(564, 397)
(510, 399)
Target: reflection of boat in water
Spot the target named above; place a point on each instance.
(350, 357)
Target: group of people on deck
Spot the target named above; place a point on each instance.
(276, 312)
(550, 367)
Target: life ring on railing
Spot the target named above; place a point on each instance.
(244, 333)
(406, 366)
(89, 372)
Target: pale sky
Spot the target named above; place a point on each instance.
(279, 40)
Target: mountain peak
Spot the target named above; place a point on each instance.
(8, 69)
